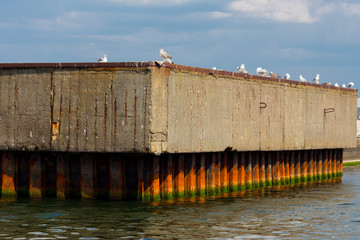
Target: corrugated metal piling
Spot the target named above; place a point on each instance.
(150, 131)
(146, 177)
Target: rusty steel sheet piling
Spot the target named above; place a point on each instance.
(154, 178)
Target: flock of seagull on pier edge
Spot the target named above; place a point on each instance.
(260, 71)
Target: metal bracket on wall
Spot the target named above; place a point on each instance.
(329, 110)
(263, 105)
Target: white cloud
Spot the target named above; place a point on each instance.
(68, 21)
(150, 2)
(351, 9)
(275, 10)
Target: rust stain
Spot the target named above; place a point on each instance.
(256, 177)
(54, 130)
(169, 176)
(179, 178)
(242, 169)
(201, 182)
(224, 171)
(234, 170)
(155, 185)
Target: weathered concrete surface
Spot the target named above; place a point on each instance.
(209, 112)
(142, 107)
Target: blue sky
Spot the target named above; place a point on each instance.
(296, 36)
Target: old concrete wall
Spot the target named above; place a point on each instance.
(25, 109)
(142, 107)
(212, 112)
(75, 108)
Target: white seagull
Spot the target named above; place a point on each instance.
(343, 85)
(213, 68)
(241, 69)
(103, 59)
(336, 85)
(287, 76)
(351, 84)
(302, 79)
(316, 79)
(166, 57)
(327, 83)
(262, 72)
(274, 75)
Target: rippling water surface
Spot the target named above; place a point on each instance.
(330, 210)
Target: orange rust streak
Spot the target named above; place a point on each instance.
(334, 169)
(192, 174)
(256, 167)
(224, 171)
(248, 170)
(311, 163)
(262, 167)
(234, 170)
(218, 170)
(282, 167)
(287, 164)
(325, 162)
(319, 162)
(292, 165)
(305, 163)
(242, 169)
(201, 186)
(213, 172)
(315, 162)
(169, 176)
(269, 167)
(278, 166)
(155, 185)
(179, 178)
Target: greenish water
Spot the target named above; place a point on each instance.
(315, 211)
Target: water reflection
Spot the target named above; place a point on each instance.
(292, 212)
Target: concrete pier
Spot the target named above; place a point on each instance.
(148, 131)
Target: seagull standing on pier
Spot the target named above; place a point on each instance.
(316, 79)
(103, 59)
(351, 84)
(287, 76)
(262, 72)
(302, 79)
(274, 75)
(241, 69)
(165, 56)
(343, 85)
(336, 85)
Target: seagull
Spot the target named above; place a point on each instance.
(327, 83)
(103, 59)
(302, 79)
(274, 75)
(213, 68)
(316, 79)
(344, 86)
(262, 72)
(287, 76)
(241, 69)
(351, 84)
(166, 57)
(336, 85)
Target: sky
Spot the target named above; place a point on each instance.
(284, 36)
